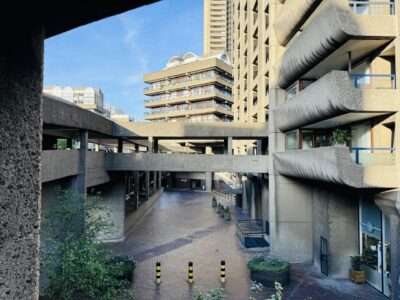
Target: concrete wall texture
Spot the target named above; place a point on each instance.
(21, 62)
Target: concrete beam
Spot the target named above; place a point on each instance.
(201, 130)
(187, 163)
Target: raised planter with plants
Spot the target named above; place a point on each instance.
(268, 271)
(357, 274)
(341, 137)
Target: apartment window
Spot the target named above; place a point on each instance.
(292, 140)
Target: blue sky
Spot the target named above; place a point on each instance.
(113, 54)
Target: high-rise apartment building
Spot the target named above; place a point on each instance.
(324, 74)
(218, 27)
(191, 89)
(86, 97)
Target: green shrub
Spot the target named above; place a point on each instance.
(259, 264)
(215, 294)
(78, 266)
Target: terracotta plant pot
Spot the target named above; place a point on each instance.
(357, 276)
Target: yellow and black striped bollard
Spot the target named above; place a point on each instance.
(190, 272)
(158, 272)
(223, 271)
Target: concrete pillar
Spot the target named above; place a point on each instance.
(228, 145)
(395, 256)
(154, 181)
(209, 180)
(120, 145)
(21, 65)
(136, 180)
(152, 145)
(147, 178)
(136, 148)
(159, 179)
(209, 150)
(78, 183)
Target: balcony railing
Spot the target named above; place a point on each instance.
(188, 108)
(372, 7)
(374, 81)
(188, 80)
(189, 94)
(373, 156)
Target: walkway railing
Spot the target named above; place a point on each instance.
(372, 7)
(374, 81)
(373, 156)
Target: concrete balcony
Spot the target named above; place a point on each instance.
(171, 100)
(335, 165)
(337, 99)
(292, 16)
(334, 30)
(212, 109)
(168, 87)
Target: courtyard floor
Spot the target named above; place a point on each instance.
(183, 227)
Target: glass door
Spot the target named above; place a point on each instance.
(371, 242)
(386, 256)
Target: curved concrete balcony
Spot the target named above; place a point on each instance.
(334, 31)
(158, 102)
(168, 87)
(214, 109)
(334, 100)
(335, 165)
(292, 16)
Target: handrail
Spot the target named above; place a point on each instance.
(357, 151)
(357, 77)
(357, 4)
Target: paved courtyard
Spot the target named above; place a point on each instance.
(183, 227)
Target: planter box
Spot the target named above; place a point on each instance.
(268, 278)
(358, 276)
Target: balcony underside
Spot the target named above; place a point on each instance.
(291, 18)
(192, 112)
(334, 101)
(334, 165)
(333, 33)
(187, 99)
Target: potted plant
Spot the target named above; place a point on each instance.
(214, 202)
(357, 274)
(268, 271)
(227, 214)
(341, 137)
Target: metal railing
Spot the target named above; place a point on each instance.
(250, 227)
(188, 80)
(373, 155)
(206, 92)
(372, 7)
(374, 81)
(188, 108)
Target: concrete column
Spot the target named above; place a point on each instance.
(137, 188)
(136, 148)
(228, 145)
(78, 183)
(209, 150)
(120, 146)
(154, 181)
(159, 179)
(209, 180)
(152, 145)
(147, 178)
(395, 256)
(21, 65)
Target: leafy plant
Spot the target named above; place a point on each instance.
(260, 264)
(214, 294)
(341, 137)
(278, 292)
(356, 263)
(78, 266)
